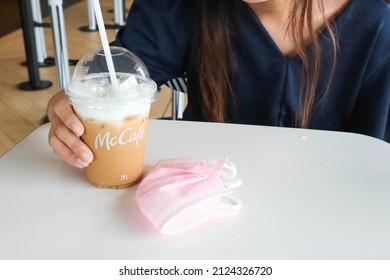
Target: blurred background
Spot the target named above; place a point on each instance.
(9, 14)
(22, 111)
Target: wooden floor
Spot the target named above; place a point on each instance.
(22, 111)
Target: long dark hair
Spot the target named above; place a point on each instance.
(217, 60)
(216, 56)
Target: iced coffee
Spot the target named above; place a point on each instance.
(115, 118)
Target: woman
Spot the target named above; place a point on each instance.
(298, 63)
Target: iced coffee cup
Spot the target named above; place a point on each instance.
(115, 116)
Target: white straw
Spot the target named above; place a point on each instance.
(106, 47)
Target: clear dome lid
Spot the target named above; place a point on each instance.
(91, 79)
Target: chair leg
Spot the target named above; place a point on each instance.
(174, 104)
(177, 104)
(180, 105)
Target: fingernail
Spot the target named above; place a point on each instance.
(79, 164)
(78, 130)
(86, 157)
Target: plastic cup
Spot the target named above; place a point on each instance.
(115, 117)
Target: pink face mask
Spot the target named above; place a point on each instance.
(178, 194)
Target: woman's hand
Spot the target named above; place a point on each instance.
(65, 132)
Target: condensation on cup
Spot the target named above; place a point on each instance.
(115, 118)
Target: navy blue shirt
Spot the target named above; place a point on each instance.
(267, 87)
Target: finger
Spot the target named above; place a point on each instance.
(75, 144)
(65, 112)
(68, 146)
(63, 151)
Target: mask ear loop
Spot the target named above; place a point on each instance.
(233, 183)
(228, 175)
(228, 171)
(234, 202)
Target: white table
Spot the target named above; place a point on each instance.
(306, 195)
